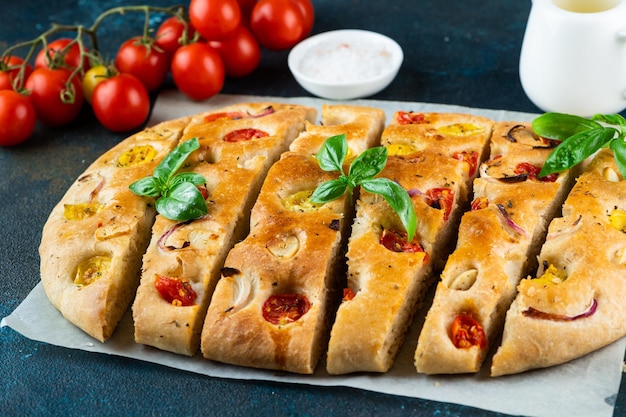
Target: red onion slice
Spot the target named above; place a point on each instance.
(509, 222)
(538, 314)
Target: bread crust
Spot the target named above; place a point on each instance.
(585, 311)
(196, 250)
(105, 224)
(236, 329)
(390, 286)
(496, 247)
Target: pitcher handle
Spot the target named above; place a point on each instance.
(621, 34)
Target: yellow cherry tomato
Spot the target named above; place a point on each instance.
(92, 78)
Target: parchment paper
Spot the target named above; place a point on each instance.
(587, 387)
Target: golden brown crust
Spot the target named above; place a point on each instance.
(292, 249)
(591, 253)
(389, 286)
(196, 250)
(101, 220)
(496, 247)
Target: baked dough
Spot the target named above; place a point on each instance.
(498, 241)
(93, 240)
(274, 302)
(194, 251)
(576, 305)
(385, 286)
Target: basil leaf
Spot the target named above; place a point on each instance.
(559, 126)
(331, 155)
(330, 190)
(148, 186)
(175, 159)
(612, 119)
(370, 163)
(191, 177)
(619, 151)
(184, 202)
(398, 199)
(576, 149)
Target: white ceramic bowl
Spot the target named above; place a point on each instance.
(345, 64)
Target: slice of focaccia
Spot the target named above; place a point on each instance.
(498, 241)
(387, 275)
(577, 302)
(238, 144)
(273, 304)
(94, 238)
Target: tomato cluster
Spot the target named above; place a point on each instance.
(214, 40)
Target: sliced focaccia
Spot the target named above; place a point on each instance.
(577, 302)
(94, 238)
(497, 244)
(238, 144)
(387, 275)
(272, 306)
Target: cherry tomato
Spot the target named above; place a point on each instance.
(55, 102)
(198, 71)
(17, 118)
(170, 32)
(61, 49)
(91, 79)
(175, 290)
(240, 52)
(467, 332)
(10, 70)
(280, 24)
(442, 199)
(285, 308)
(397, 241)
(245, 134)
(246, 7)
(214, 19)
(139, 57)
(121, 103)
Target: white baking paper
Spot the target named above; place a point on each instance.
(587, 387)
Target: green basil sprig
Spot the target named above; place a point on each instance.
(178, 197)
(362, 171)
(580, 138)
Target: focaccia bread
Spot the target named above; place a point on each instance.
(238, 144)
(498, 240)
(94, 238)
(387, 275)
(274, 302)
(575, 305)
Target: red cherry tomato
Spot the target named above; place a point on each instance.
(170, 32)
(17, 118)
(214, 19)
(175, 290)
(54, 102)
(283, 309)
(58, 49)
(10, 70)
(442, 199)
(240, 52)
(467, 332)
(280, 24)
(198, 71)
(121, 103)
(139, 57)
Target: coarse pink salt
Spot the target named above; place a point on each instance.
(342, 62)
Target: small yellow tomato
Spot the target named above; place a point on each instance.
(92, 78)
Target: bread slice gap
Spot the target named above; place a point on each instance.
(434, 157)
(273, 303)
(238, 144)
(497, 245)
(574, 304)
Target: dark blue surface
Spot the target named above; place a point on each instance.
(456, 52)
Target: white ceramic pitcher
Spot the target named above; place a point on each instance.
(573, 57)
